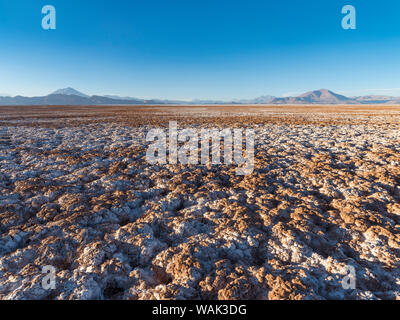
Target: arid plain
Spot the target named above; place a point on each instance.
(77, 193)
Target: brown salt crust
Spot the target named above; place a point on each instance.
(77, 193)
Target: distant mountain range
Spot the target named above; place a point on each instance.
(324, 96)
(70, 96)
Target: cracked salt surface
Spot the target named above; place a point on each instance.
(84, 200)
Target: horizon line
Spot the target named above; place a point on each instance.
(227, 100)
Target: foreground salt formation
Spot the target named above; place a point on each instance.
(82, 198)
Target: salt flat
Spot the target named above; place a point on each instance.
(77, 193)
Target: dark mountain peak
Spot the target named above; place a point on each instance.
(323, 94)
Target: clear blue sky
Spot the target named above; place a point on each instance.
(188, 49)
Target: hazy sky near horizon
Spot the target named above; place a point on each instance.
(217, 49)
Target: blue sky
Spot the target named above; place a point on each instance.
(185, 49)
